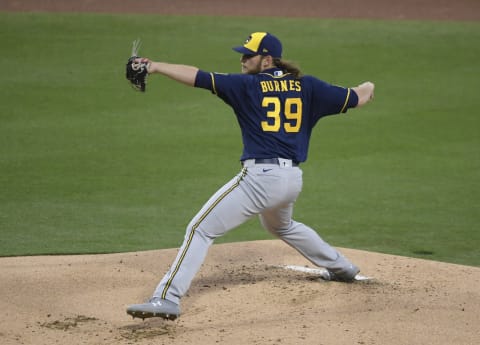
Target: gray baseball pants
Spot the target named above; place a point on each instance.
(269, 190)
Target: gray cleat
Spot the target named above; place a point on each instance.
(155, 307)
(346, 275)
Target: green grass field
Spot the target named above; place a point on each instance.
(87, 165)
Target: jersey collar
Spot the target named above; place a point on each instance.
(275, 72)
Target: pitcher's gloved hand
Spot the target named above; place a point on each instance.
(137, 68)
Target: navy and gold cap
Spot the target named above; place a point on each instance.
(261, 43)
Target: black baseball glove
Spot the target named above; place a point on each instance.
(137, 71)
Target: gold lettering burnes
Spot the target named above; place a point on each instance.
(280, 85)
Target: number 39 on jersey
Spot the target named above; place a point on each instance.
(286, 115)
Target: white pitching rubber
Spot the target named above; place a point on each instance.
(322, 272)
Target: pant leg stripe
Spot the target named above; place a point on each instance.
(196, 225)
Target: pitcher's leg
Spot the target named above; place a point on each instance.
(191, 255)
(229, 207)
(305, 240)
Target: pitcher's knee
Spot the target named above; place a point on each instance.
(277, 229)
(206, 230)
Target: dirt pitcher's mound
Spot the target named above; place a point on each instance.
(241, 296)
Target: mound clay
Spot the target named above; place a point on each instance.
(242, 295)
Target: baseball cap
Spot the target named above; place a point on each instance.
(261, 43)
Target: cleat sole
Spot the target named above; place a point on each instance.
(145, 315)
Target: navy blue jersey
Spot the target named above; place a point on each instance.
(277, 112)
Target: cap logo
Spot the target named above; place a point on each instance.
(254, 40)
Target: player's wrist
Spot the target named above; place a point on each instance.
(149, 65)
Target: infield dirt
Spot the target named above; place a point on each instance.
(242, 295)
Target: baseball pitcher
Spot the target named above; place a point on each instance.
(276, 108)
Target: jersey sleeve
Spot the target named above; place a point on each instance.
(204, 80)
(328, 99)
(228, 87)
